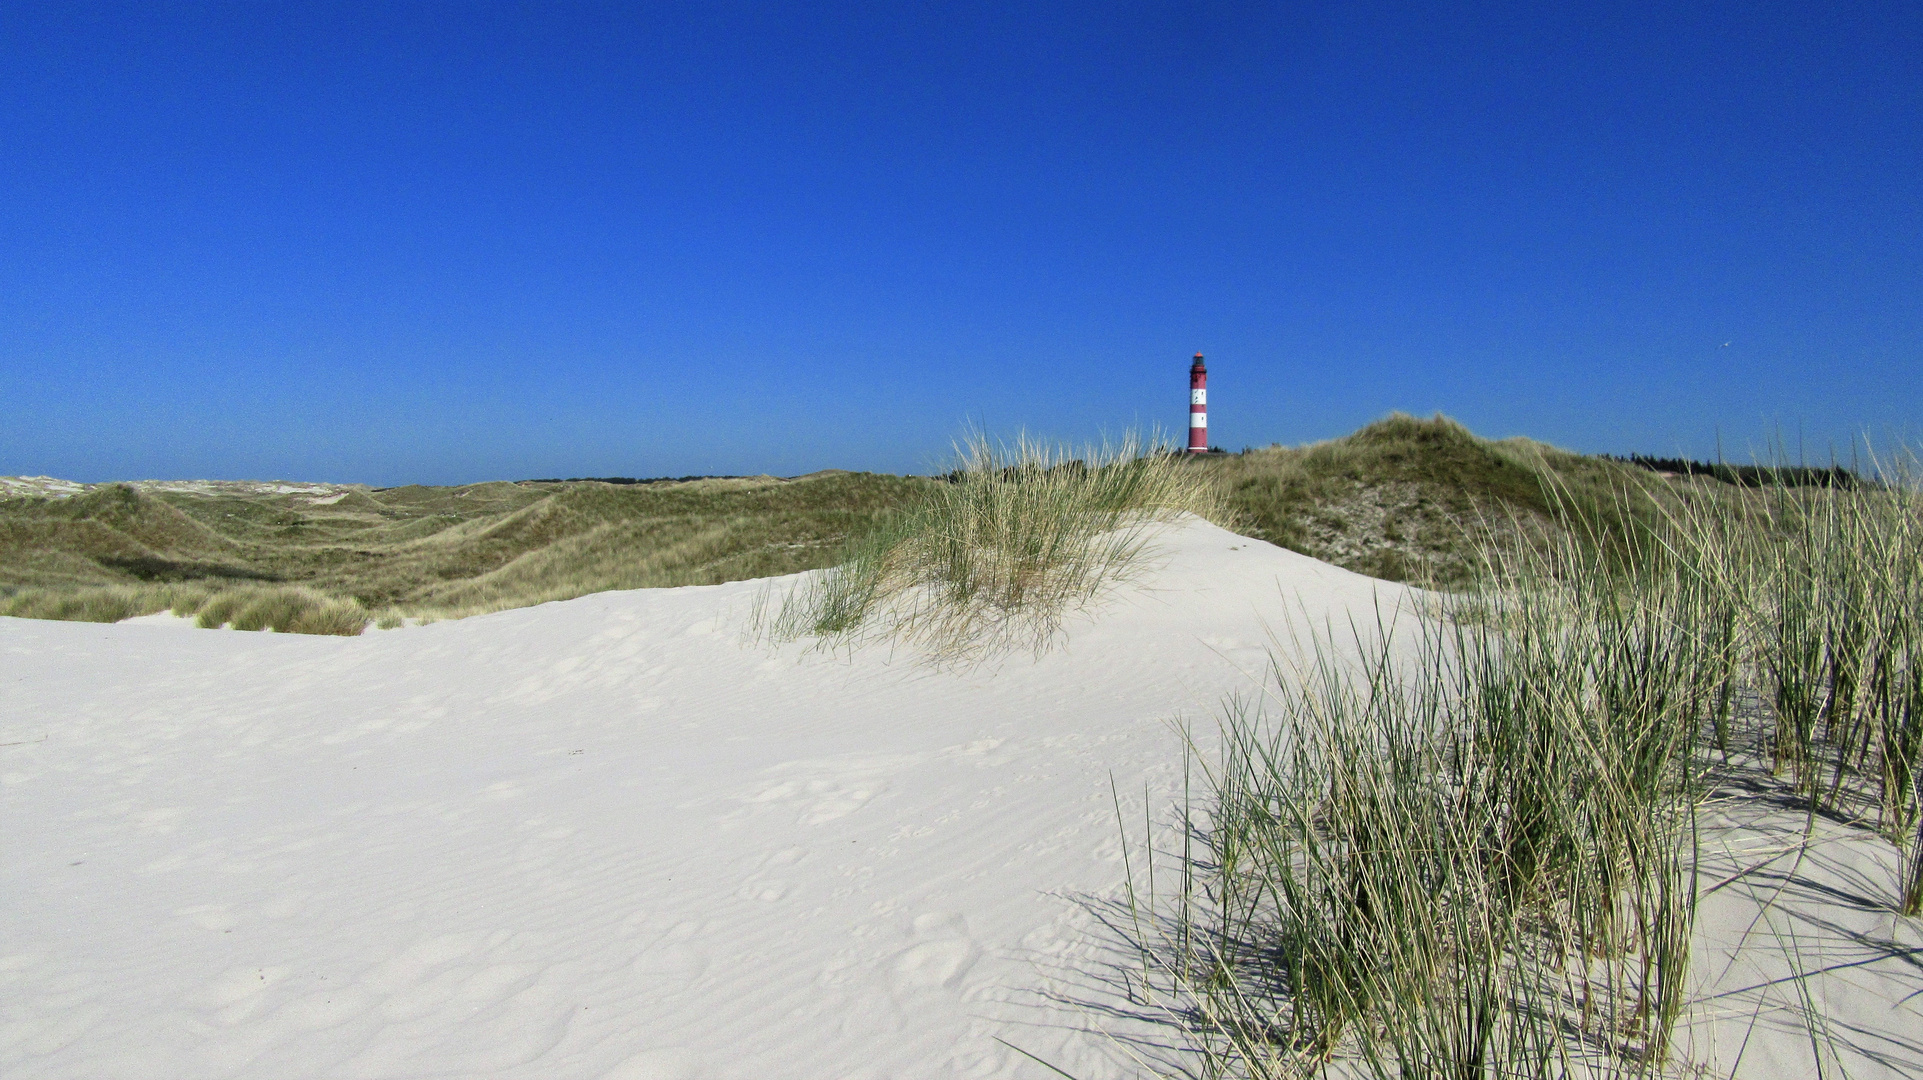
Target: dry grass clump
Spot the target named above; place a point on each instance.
(284, 610)
(1464, 844)
(248, 607)
(104, 604)
(1012, 539)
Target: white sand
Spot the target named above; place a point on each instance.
(602, 838)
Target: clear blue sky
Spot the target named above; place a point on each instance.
(409, 243)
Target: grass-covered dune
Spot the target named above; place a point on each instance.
(1406, 499)
(425, 551)
(1402, 499)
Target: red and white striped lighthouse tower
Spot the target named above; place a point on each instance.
(1198, 407)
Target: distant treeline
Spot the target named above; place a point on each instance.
(625, 479)
(1835, 476)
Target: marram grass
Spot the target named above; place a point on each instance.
(1014, 538)
(1462, 842)
(286, 609)
(283, 609)
(1466, 854)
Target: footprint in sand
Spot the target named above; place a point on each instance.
(672, 964)
(764, 887)
(942, 958)
(788, 856)
(765, 891)
(821, 801)
(425, 977)
(236, 993)
(832, 788)
(210, 916)
(676, 965)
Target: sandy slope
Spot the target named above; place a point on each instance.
(594, 838)
(602, 838)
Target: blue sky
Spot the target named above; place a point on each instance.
(403, 243)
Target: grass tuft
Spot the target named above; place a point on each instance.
(1012, 539)
(104, 604)
(284, 610)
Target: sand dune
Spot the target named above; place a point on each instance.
(605, 838)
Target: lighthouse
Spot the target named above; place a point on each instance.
(1198, 407)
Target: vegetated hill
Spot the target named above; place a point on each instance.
(1396, 500)
(442, 551)
(1402, 498)
(111, 533)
